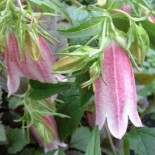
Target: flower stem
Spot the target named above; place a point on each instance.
(147, 110)
(110, 140)
(20, 5)
(76, 3)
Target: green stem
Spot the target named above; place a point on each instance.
(20, 5)
(126, 146)
(147, 110)
(76, 3)
(110, 140)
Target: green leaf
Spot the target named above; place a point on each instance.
(85, 93)
(94, 143)
(121, 23)
(147, 90)
(141, 140)
(80, 15)
(72, 108)
(89, 28)
(80, 138)
(16, 139)
(40, 90)
(2, 135)
(51, 5)
(145, 78)
(150, 28)
(61, 152)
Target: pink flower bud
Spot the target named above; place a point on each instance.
(117, 100)
(45, 132)
(126, 9)
(36, 70)
(151, 19)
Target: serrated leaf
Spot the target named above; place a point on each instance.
(94, 143)
(40, 90)
(51, 5)
(141, 140)
(89, 28)
(72, 108)
(80, 138)
(16, 139)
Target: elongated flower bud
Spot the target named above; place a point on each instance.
(37, 70)
(117, 100)
(45, 132)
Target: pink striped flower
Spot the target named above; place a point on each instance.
(45, 132)
(117, 100)
(36, 70)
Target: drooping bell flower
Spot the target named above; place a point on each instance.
(116, 100)
(36, 70)
(45, 132)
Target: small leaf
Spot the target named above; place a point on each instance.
(80, 138)
(141, 140)
(94, 143)
(150, 28)
(89, 28)
(16, 139)
(40, 90)
(121, 23)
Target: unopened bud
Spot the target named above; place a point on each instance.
(66, 63)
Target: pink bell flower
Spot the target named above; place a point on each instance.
(36, 70)
(45, 132)
(117, 100)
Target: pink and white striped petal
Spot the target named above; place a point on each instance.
(117, 100)
(12, 61)
(36, 70)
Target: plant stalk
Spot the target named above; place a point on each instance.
(147, 110)
(110, 140)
